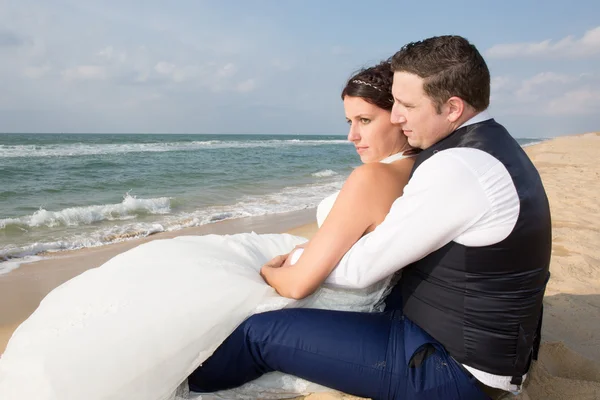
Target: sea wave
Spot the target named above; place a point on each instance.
(289, 199)
(286, 200)
(84, 149)
(129, 208)
(115, 234)
(7, 266)
(532, 143)
(324, 174)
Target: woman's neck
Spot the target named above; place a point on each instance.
(394, 157)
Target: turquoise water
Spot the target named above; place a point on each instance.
(67, 191)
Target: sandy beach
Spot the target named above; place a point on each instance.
(569, 364)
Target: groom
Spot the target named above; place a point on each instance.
(472, 236)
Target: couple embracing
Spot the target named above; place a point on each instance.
(450, 204)
(425, 279)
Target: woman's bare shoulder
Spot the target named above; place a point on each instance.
(372, 188)
(377, 183)
(373, 174)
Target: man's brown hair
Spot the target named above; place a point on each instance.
(450, 66)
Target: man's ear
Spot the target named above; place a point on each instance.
(456, 107)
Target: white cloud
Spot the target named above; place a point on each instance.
(142, 100)
(175, 73)
(165, 68)
(581, 101)
(186, 73)
(548, 94)
(281, 64)
(227, 70)
(110, 54)
(528, 91)
(85, 72)
(588, 45)
(142, 76)
(107, 52)
(36, 72)
(500, 82)
(161, 69)
(246, 86)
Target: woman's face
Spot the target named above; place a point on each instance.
(371, 131)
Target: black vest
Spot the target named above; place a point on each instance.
(484, 304)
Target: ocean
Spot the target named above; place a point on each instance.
(69, 191)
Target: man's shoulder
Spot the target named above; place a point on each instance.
(457, 163)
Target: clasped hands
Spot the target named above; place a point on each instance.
(278, 262)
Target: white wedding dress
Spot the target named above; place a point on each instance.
(136, 327)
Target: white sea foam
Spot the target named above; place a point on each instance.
(84, 149)
(325, 173)
(74, 216)
(286, 200)
(7, 266)
(12, 256)
(12, 253)
(533, 143)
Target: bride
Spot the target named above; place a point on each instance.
(137, 326)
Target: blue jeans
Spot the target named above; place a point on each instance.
(375, 355)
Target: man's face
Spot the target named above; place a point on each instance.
(415, 112)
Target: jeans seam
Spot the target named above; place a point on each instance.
(321, 355)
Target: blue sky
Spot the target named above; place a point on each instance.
(277, 66)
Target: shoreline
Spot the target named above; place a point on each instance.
(9, 263)
(24, 287)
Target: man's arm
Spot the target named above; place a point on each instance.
(442, 200)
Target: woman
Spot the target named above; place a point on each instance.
(366, 196)
(344, 217)
(138, 325)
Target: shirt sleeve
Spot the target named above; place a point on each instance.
(441, 201)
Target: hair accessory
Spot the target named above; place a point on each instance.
(366, 83)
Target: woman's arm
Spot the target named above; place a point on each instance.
(363, 202)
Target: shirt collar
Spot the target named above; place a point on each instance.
(482, 116)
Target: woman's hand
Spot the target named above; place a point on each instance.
(276, 262)
(280, 274)
(281, 260)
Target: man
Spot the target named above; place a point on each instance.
(472, 237)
